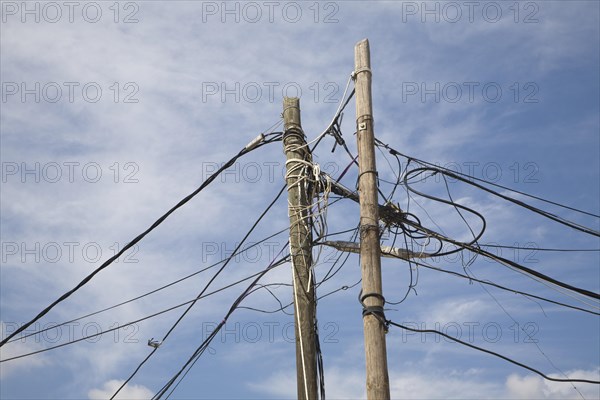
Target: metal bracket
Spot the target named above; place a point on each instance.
(362, 126)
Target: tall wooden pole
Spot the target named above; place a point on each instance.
(378, 386)
(297, 154)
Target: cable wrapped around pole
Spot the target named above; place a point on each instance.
(299, 177)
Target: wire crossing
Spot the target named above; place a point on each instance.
(416, 237)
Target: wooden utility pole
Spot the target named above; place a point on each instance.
(378, 386)
(297, 155)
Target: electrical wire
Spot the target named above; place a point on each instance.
(536, 248)
(277, 263)
(266, 287)
(511, 264)
(547, 214)
(235, 254)
(510, 360)
(256, 143)
(535, 342)
(470, 246)
(200, 350)
(254, 225)
(490, 283)
(396, 152)
(337, 114)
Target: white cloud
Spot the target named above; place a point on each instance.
(339, 384)
(535, 387)
(426, 386)
(456, 311)
(348, 383)
(129, 392)
(17, 348)
(173, 133)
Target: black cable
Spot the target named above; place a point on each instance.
(336, 233)
(510, 360)
(476, 249)
(502, 260)
(476, 237)
(150, 292)
(547, 214)
(511, 264)
(344, 287)
(278, 263)
(527, 333)
(411, 285)
(211, 178)
(499, 246)
(398, 176)
(266, 287)
(439, 252)
(472, 260)
(320, 367)
(200, 350)
(329, 273)
(254, 225)
(395, 152)
(203, 347)
(490, 283)
(336, 133)
(198, 353)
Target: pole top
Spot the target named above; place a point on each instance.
(291, 114)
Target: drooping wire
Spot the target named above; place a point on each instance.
(235, 254)
(547, 214)
(100, 333)
(335, 120)
(256, 143)
(490, 283)
(511, 264)
(535, 342)
(204, 345)
(510, 360)
(254, 225)
(470, 246)
(394, 151)
(499, 246)
(277, 299)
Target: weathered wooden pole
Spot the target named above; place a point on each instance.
(297, 155)
(378, 386)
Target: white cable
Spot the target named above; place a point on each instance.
(298, 322)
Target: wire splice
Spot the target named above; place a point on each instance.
(255, 142)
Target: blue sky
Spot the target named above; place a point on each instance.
(112, 112)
